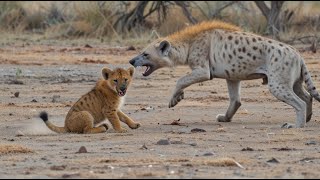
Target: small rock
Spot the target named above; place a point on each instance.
(19, 134)
(16, 94)
(131, 48)
(307, 160)
(10, 114)
(193, 144)
(87, 46)
(33, 100)
(163, 142)
(147, 108)
(311, 143)
(273, 160)
(55, 98)
(144, 147)
(58, 168)
(195, 130)
(208, 154)
(82, 150)
(70, 175)
(247, 149)
(15, 82)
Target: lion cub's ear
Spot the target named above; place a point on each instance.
(131, 71)
(106, 72)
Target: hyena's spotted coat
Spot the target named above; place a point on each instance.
(220, 50)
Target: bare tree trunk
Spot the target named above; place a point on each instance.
(272, 15)
(186, 12)
(137, 15)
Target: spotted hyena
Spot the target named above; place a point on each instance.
(220, 50)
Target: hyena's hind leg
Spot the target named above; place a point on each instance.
(234, 95)
(305, 96)
(284, 92)
(83, 122)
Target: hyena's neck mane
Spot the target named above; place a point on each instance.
(192, 31)
(181, 40)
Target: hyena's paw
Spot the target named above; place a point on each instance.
(309, 117)
(222, 118)
(135, 126)
(176, 98)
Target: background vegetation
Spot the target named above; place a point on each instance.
(292, 22)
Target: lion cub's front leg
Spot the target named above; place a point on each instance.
(124, 118)
(115, 121)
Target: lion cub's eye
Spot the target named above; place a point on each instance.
(115, 80)
(126, 80)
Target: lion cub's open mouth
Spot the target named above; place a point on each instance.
(122, 93)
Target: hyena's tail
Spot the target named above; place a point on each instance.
(44, 116)
(310, 86)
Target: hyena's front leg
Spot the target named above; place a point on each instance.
(197, 75)
(124, 118)
(234, 95)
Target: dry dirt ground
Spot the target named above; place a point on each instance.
(52, 77)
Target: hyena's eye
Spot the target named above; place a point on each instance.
(116, 81)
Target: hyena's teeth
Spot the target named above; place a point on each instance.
(140, 69)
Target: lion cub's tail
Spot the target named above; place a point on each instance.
(44, 116)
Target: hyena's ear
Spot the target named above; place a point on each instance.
(131, 71)
(164, 47)
(106, 72)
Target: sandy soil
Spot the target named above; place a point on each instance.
(53, 77)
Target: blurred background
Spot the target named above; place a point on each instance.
(141, 21)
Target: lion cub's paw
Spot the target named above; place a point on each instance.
(122, 130)
(135, 126)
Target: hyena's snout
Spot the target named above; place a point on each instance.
(132, 61)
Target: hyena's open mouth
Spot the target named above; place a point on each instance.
(148, 70)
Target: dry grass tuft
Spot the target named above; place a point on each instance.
(223, 162)
(14, 149)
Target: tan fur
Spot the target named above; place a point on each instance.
(102, 102)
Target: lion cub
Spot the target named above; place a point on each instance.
(102, 102)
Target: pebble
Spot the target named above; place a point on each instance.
(273, 160)
(197, 130)
(19, 134)
(82, 150)
(311, 143)
(208, 154)
(16, 94)
(163, 142)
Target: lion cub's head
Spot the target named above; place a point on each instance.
(119, 79)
